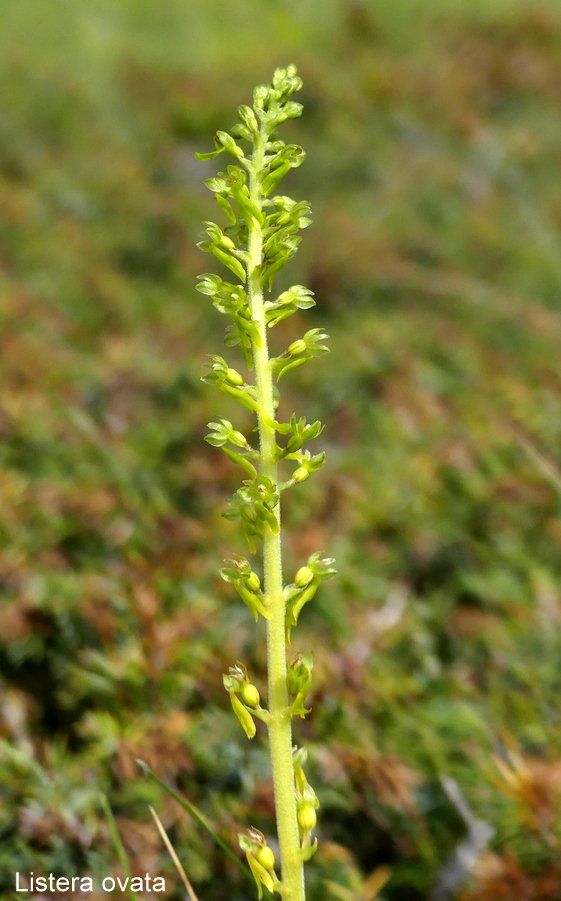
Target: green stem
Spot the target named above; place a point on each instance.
(280, 724)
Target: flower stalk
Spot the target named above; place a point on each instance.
(260, 237)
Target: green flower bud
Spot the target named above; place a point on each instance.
(234, 377)
(307, 818)
(238, 439)
(254, 601)
(260, 96)
(240, 131)
(248, 117)
(292, 110)
(303, 577)
(253, 582)
(250, 695)
(265, 857)
(300, 474)
(223, 139)
(297, 347)
(279, 76)
(226, 243)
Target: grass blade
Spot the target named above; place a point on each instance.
(546, 467)
(174, 857)
(198, 817)
(117, 842)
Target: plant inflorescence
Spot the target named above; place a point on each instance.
(260, 237)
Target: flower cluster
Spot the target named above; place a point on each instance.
(254, 505)
(244, 697)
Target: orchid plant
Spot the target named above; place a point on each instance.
(260, 236)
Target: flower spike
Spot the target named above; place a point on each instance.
(261, 233)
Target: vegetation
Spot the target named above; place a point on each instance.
(435, 259)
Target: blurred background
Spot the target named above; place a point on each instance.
(434, 143)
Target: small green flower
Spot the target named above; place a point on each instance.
(300, 351)
(248, 585)
(306, 464)
(317, 570)
(322, 567)
(222, 432)
(244, 716)
(298, 682)
(231, 382)
(307, 804)
(296, 298)
(261, 860)
(236, 682)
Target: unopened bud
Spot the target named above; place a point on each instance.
(238, 439)
(253, 582)
(227, 243)
(234, 377)
(265, 857)
(250, 695)
(297, 347)
(260, 96)
(279, 75)
(292, 110)
(247, 115)
(240, 131)
(303, 577)
(307, 818)
(227, 141)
